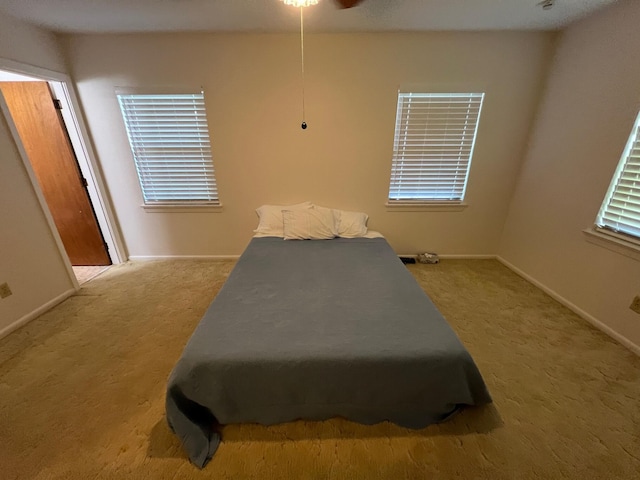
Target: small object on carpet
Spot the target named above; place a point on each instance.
(429, 258)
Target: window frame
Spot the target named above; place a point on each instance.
(608, 232)
(199, 134)
(431, 200)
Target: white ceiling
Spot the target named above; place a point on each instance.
(273, 16)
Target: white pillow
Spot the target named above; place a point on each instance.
(315, 223)
(351, 224)
(373, 234)
(271, 222)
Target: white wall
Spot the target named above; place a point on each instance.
(29, 258)
(252, 89)
(25, 43)
(586, 115)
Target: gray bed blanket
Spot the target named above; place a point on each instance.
(313, 330)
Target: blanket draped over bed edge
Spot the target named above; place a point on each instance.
(314, 330)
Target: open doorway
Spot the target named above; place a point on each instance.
(41, 111)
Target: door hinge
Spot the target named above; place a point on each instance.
(57, 104)
(106, 247)
(85, 184)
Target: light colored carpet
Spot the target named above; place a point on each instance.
(82, 390)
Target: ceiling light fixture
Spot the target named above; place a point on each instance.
(301, 4)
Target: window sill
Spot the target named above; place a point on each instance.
(182, 208)
(426, 207)
(615, 244)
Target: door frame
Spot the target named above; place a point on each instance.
(64, 91)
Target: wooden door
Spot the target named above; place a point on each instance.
(49, 149)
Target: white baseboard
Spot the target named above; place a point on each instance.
(36, 313)
(144, 258)
(574, 308)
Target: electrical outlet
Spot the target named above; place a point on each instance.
(635, 305)
(5, 291)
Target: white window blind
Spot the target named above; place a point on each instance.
(169, 138)
(433, 146)
(620, 211)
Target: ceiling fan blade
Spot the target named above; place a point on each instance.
(347, 3)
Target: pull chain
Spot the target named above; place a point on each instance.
(304, 123)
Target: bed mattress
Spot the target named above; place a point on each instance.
(314, 330)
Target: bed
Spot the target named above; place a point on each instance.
(315, 330)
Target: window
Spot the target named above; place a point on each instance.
(169, 138)
(620, 211)
(433, 146)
